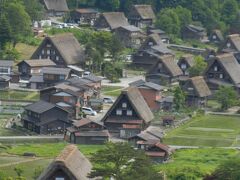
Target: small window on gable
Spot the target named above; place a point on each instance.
(129, 113)
(150, 43)
(215, 68)
(59, 178)
(183, 66)
(221, 76)
(48, 51)
(39, 57)
(57, 58)
(124, 105)
(228, 45)
(214, 37)
(190, 89)
(43, 51)
(119, 112)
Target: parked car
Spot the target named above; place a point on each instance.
(108, 100)
(89, 111)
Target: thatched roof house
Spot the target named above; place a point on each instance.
(63, 49)
(70, 164)
(111, 20)
(232, 44)
(55, 7)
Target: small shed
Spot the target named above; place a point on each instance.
(168, 120)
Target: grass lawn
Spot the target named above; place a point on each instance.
(209, 130)
(113, 91)
(198, 162)
(19, 95)
(25, 50)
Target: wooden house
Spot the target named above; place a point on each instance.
(143, 136)
(130, 36)
(45, 118)
(158, 152)
(4, 81)
(166, 103)
(62, 49)
(162, 34)
(197, 91)
(185, 62)
(195, 32)
(141, 16)
(216, 37)
(151, 93)
(231, 44)
(223, 70)
(49, 76)
(129, 114)
(70, 164)
(111, 20)
(164, 72)
(149, 52)
(84, 16)
(6, 67)
(86, 131)
(27, 68)
(55, 7)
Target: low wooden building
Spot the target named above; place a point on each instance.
(162, 34)
(70, 164)
(185, 62)
(216, 37)
(129, 114)
(63, 49)
(84, 16)
(195, 32)
(164, 72)
(111, 20)
(151, 93)
(4, 82)
(55, 7)
(141, 16)
(130, 36)
(86, 131)
(6, 67)
(223, 70)
(168, 120)
(143, 137)
(27, 68)
(166, 103)
(197, 92)
(45, 118)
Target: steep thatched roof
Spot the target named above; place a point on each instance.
(68, 46)
(115, 19)
(231, 66)
(56, 5)
(200, 86)
(39, 62)
(138, 103)
(235, 40)
(72, 162)
(145, 11)
(218, 33)
(188, 58)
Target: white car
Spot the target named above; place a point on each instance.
(108, 100)
(89, 111)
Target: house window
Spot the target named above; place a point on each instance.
(119, 112)
(124, 105)
(57, 58)
(160, 65)
(228, 45)
(59, 178)
(3, 70)
(61, 77)
(150, 43)
(221, 76)
(215, 68)
(214, 37)
(48, 51)
(53, 52)
(210, 75)
(39, 57)
(190, 89)
(43, 51)
(129, 113)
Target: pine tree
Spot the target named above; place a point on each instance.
(5, 31)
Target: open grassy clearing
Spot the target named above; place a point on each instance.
(209, 130)
(19, 95)
(198, 162)
(25, 50)
(113, 91)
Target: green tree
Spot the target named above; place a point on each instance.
(19, 171)
(115, 46)
(34, 9)
(227, 170)
(184, 15)
(226, 96)
(179, 98)
(122, 162)
(199, 66)
(168, 20)
(110, 5)
(5, 31)
(19, 21)
(229, 11)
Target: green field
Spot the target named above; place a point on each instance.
(113, 91)
(45, 154)
(195, 163)
(209, 130)
(19, 95)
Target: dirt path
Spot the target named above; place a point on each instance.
(19, 162)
